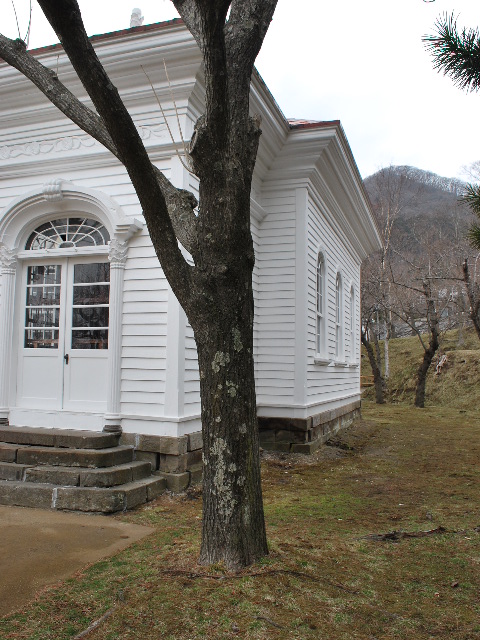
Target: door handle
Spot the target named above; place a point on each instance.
(65, 357)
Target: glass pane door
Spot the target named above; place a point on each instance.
(42, 308)
(91, 295)
(63, 355)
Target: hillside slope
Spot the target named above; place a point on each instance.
(457, 384)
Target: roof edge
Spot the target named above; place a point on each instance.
(312, 124)
(115, 34)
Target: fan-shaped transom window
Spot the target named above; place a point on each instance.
(65, 233)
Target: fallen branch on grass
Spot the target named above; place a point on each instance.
(95, 624)
(274, 624)
(395, 536)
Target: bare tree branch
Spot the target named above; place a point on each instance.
(190, 13)
(246, 28)
(180, 203)
(65, 18)
(206, 20)
(15, 53)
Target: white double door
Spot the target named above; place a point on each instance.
(63, 341)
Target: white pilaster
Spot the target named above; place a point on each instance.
(176, 328)
(118, 257)
(8, 264)
(175, 373)
(301, 302)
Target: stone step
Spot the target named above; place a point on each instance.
(69, 438)
(85, 477)
(94, 458)
(26, 494)
(89, 499)
(12, 471)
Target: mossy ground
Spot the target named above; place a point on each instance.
(399, 468)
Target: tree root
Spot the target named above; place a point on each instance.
(260, 574)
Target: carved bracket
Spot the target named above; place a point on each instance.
(52, 190)
(8, 258)
(117, 252)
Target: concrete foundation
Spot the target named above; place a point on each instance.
(305, 435)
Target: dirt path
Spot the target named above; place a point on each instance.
(39, 548)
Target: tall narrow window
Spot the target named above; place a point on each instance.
(338, 319)
(320, 329)
(352, 324)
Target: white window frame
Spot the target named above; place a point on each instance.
(352, 325)
(339, 320)
(320, 311)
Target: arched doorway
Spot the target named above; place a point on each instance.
(62, 307)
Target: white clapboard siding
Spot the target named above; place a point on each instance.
(145, 311)
(332, 382)
(275, 300)
(192, 379)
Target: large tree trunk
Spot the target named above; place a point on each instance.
(233, 522)
(222, 320)
(377, 375)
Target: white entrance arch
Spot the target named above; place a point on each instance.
(61, 199)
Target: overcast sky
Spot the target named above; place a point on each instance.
(362, 62)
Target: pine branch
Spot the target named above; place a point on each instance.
(473, 235)
(471, 197)
(456, 53)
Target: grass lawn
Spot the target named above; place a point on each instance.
(399, 469)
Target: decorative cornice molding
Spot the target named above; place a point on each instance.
(68, 143)
(37, 147)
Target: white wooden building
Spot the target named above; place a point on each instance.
(91, 335)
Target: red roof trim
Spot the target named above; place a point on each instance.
(312, 124)
(116, 34)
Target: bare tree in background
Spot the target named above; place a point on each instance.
(423, 297)
(370, 302)
(473, 293)
(391, 193)
(216, 293)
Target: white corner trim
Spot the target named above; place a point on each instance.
(256, 210)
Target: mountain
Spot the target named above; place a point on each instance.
(420, 206)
